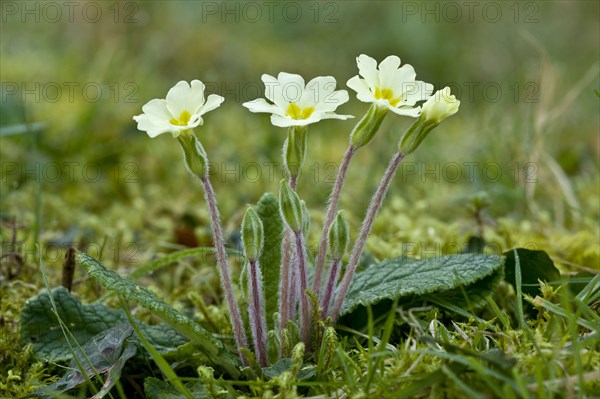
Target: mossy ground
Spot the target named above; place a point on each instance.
(127, 199)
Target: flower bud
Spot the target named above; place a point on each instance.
(339, 236)
(252, 234)
(440, 106)
(290, 207)
(365, 129)
(294, 149)
(194, 155)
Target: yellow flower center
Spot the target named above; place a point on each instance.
(386, 94)
(296, 112)
(184, 119)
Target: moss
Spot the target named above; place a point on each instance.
(20, 372)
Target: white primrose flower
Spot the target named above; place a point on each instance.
(391, 86)
(181, 110)
(299, 104)
(440, 106)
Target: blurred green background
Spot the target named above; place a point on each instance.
(526, 133)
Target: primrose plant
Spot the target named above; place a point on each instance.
(294, 104)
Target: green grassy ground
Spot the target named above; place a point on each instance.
(526, 136)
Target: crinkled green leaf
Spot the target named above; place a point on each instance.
(268, 211)
(535, 265)
(158, 389)
(405, 277)
(103, 355)
(470, 296)
(211, 346)
(39, 325)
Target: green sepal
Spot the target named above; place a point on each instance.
(294, 149)
(194, 156)
(367, 127)
(415, 134)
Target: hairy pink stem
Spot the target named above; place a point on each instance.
(293, 281)
(303, 278)
(258, 323)
(287, 288)
(284, 285)
(332, 279)
(330, 215)
(234, 310)
(359, 245)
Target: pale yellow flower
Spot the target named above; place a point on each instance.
(295, 103)
(390, 86)
(180, 111)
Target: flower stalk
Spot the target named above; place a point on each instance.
(293, 214)
(334, 200)
(361, 135)
(359, 245)
(226, 284)
(338, 243)
(303, 279)
(253, 240)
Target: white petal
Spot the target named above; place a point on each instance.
(152, 125)
(273, 92)
(213, 101)
(177, 98)
(196, 97)
(292, 86)
(282, 121)
(317, 90)
(158, 109)
(387, 71)
(367, 68)
(270, 83)
(314, 118)
(361, 87)
(261, 105)
(414, 112)
(177, 130)
(332, 101)
(195, 120)
(400, 82)
(331, 115)
(417, 91)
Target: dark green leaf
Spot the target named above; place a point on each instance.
(469, 296)
(405, 278)
(105, 354)
(535, 265)
(268, 211)
(39, 326)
